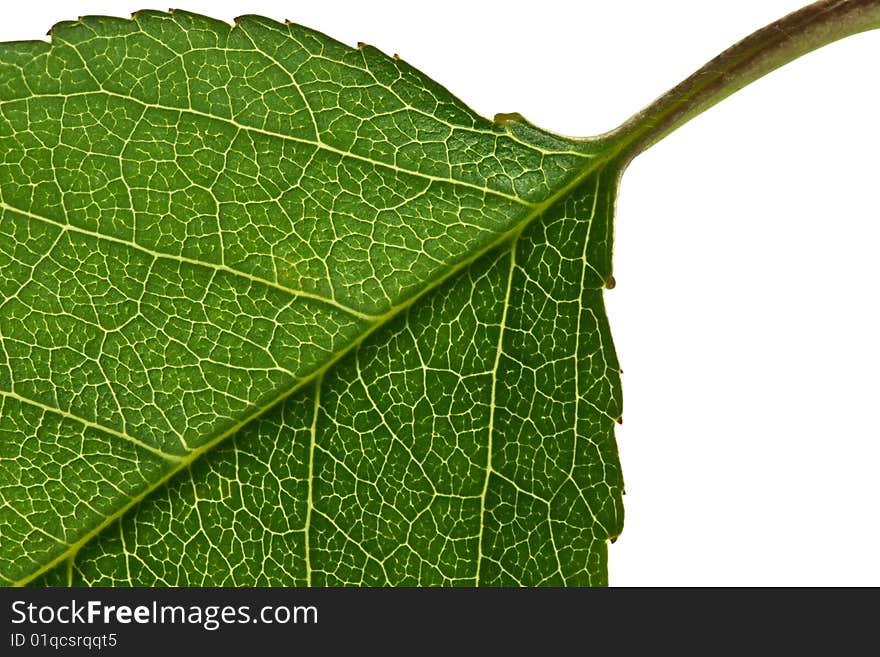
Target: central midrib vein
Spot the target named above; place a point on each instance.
(607, 157)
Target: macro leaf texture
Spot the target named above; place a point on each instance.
(279, 311)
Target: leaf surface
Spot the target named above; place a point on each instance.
(278, 311)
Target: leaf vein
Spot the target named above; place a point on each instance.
(492, 406)
(172, 458)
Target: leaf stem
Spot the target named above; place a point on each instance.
(761, 52)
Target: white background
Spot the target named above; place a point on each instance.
(746, 312)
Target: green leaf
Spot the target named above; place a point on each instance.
(279, 311)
